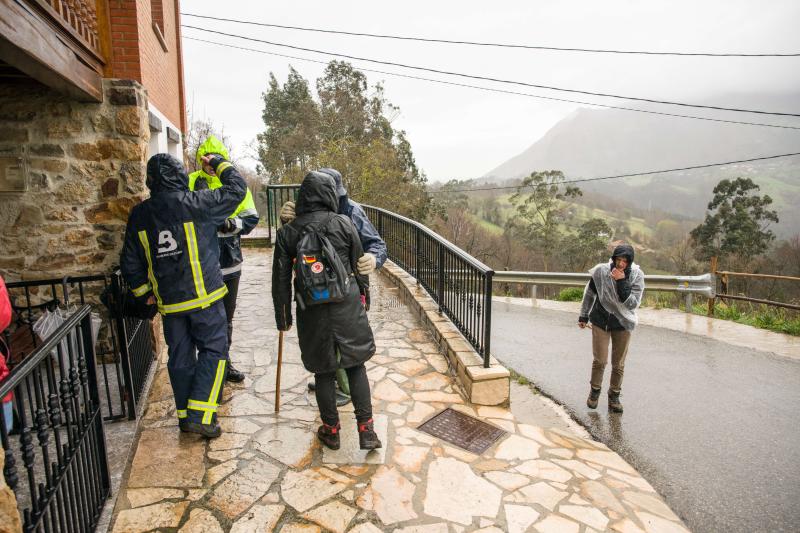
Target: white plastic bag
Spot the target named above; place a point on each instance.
(47, 324)
(96, 323)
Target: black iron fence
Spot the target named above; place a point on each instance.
(460, 284)
(277, 195)
(124, 347)
(53, 440)
(137, 353)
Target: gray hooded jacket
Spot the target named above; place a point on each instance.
(604, 290)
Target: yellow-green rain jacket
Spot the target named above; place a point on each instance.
(245, 217)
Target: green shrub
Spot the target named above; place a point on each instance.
(791, 327)
(570, 294)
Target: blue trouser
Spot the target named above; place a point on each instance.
(198, 344)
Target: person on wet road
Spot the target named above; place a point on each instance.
(610, 300)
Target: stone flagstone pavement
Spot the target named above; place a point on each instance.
(267, 472)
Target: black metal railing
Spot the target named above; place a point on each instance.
(460, 284)
(277, 195)
(136, 347)
(55, 452)
(125, 347)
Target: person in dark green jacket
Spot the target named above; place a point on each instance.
(240, 222)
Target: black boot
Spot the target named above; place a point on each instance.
(210, 431)
(234, 376)
(329, 435)
(367, 438)
(594, 396)
(614, 405)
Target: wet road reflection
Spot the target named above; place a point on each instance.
(712, 426)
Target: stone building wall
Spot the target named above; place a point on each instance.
(85, 170)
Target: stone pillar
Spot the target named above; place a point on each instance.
(85, 166)
(9, 515)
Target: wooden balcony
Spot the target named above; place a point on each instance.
(61, 43)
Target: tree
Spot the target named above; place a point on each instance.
(588, 246)
(289, 146)
(736, 222)
(349, 129)
(540, 212)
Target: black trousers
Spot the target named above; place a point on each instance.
(230, 306)
(359, 392)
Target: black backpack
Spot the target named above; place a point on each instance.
(319, 273)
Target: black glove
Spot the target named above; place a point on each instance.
(216, 161)
(228, 226)
(200, 184)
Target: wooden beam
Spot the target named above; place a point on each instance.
(31, 45)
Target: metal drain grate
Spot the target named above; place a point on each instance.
(462, 430)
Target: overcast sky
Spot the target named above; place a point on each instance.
(463, 133)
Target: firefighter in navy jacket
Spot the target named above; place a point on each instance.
(171, 256)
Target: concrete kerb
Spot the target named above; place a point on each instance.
(483, 386)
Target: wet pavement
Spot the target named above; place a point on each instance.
(268, 473)
(711, 425)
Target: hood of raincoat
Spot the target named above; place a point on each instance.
(165, 173)
(337, 178)
(211, 145)
(317, 193)
(626, 251)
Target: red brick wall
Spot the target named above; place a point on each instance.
(124, 23)
(160, 68)
(137, 52)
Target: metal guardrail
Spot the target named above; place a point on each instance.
(703, 285)
(57, 432)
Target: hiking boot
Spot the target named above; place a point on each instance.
(594, 396)
(341, 398)
(329, 435)
(614, 405)
(182, 425)
(367, 438)
(234, 376)
(209, 431)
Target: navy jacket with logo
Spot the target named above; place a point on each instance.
(171, 243)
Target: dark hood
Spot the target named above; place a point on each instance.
(623, 250)
(337, 178)
(317, 193)
(165, 173)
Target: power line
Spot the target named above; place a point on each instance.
(618, 176)
(504, 91)
(486, 78)
(496, 45)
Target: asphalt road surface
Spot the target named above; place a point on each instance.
(713, 427)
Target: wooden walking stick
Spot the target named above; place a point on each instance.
(278, 375)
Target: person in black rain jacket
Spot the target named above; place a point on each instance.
(327, 329)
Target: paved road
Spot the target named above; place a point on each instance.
(713, 427)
